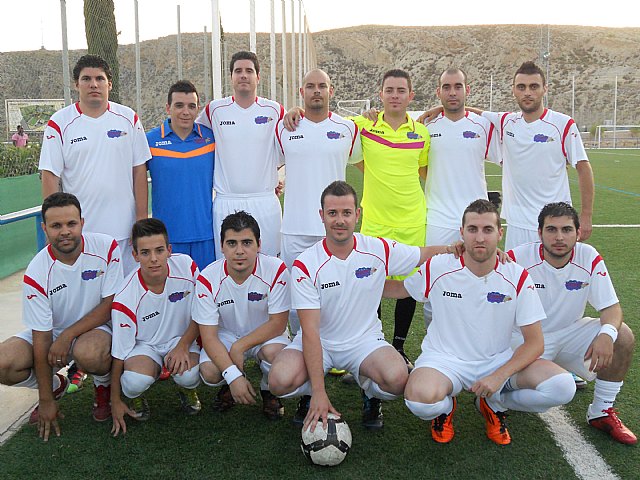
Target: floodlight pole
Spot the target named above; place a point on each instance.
(216, 63)
(179, 44)
(491, 94)
(66, 79)
(285, 88)
(252, 26)
(272, 51)
(615, 110)
(138, 72)
(294, 75)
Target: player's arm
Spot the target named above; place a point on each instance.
(179, 360)
(141, 191)
(585, 183)
(118, 408)
(422, 171)
(394, 289)
(273, 327)
(426, 253)
(50, 183)
(292, 118)
(601, 349)
(524, 356)
(48, 412)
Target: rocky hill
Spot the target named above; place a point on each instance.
(357, 57)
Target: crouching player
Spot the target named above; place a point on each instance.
(568, 274)
(477, 302)
(242, 308)
(68, 290)
(153, 327)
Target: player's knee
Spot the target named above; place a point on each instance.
(189, 379)
(93, 357)
(625, 342)
(559, 389)
(415, 392)
(282, 381)
(210, 374)
(428, 411)
(135, 384)
(394, 379)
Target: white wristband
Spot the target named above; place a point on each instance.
(232, 373)
(610, 330)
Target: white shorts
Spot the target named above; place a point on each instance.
(519, 236)
(347, 357)
(158, 352)
(129, 263)
(462, 373)
(27, 335)
(228, 338)
(568, 346)
(265, 208)
(294, 245)
(441, 235)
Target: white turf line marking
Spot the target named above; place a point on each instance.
(580, 454)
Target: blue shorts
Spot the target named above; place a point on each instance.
(201, 252)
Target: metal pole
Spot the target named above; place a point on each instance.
(300, 68)
(305, 53)
(66, 79)
(252, 26)
(207, 71)
(294, 76)
(138, 72)
(179, 45)
(573, 96)
(273, 93)
(285, 88)
(615, 110)
(216, 65)
(491, 95)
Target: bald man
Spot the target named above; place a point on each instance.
(315, 154)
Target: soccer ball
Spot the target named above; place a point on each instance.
(327, 447)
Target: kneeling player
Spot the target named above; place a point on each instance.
(242, 310)
(568, 274)
(477, 302)
(153, 327)
(68, 290)
(337, 288)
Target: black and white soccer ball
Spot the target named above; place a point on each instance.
(327, 447)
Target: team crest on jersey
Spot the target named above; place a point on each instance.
(261, 120)
(470, 134)
(364, 272)
(204, 140)
(116, 133)
(91, 274)
(256, 296)
(497, 297)
(575, 285)
(334, 135)
(542, 138)
(177, 296)
(414, 136)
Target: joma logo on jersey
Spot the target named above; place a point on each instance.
(57, 289)
(163, 142)
(91, 274)
(451, 294)
(379, 132)
(540, 285)
(76, 140)
(151, 315)
(329, 285)
(177, 296)
(296, 137)
(511, 134)
(256, 296)
(435, 135)
(227, 122)
(225, 302)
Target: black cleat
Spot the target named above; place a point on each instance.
(224, 400)
(372, 418)
(272, 408)
(301, 412)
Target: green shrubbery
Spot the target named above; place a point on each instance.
(19, 161)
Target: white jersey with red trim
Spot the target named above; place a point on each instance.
(348, 292)
(246, 147)
(565, 291)
(241, 309)
(140, 316)
(315, 155)
(474, 317)
(534, 160)
(455, 177)
(94, 158)
(57, 295)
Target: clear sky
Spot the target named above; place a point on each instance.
(37, 22)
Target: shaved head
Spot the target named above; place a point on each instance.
(314, 72)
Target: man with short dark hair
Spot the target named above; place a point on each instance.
(20, 138)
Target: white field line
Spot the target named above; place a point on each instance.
(580, 454)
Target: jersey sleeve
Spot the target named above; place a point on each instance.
(356, 148)
(36, 308)
(51, 157)
(279, 297)
(529, 308)
(125, 327)
(493, 117)
(573, 146)
(416, 284)
(493, 153)
(278, 140)
(141, 152)
(601, 291)
(204, 309)
(203, 117)
(401, 258)
(304, 294)
(113, 276)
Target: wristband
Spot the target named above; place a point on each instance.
(610, 330)
(231, 374)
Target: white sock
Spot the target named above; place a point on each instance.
(429, 411)
(554, 391)
(604, 396)
(102, 380)
(32, 382)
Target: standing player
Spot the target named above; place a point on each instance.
(568, 274)
(182, 175)
(152, 326)
(246, 173)
(68, 290)
(477, 302)
(242, 309)
(315, 154)
(337, 288)
(97, 150)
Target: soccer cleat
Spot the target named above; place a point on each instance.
(611, 424)
(164, 374)
(58, 393)
(495, 425)
(406, 360)
(337, 372)
(76, 378)
(102, 403)
(442, 425)
(189, 401)
(271, 405)
(581, 383)
(224, 400)
(303, 409)
(372, 418)
(141, 408)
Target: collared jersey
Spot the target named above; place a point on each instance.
(392, 193)
(246, 152)
(534, 163)
(456, 166)
(473, 317)
(156, 319)
(348, 292)
(57, 295)
(565, 291)
(315, 155)
(94, 158)
(242, 308)
(182, 181)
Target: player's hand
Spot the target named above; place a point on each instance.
(430, 114)
(371, 114)
(319, 408)
(279, 188)
(48, 415)
(487, 386)
(456, 248)
(58, 355)
(600, 352)
(503, 257)
(243, 391)
(118, 410)
(292, 118)
(178, 360)
(585, 227)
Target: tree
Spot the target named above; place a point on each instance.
(102, 37)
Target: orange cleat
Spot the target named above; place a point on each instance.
(442, 425)
(496, 425)
(611, 424)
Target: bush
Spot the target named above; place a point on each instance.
(19, 161)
